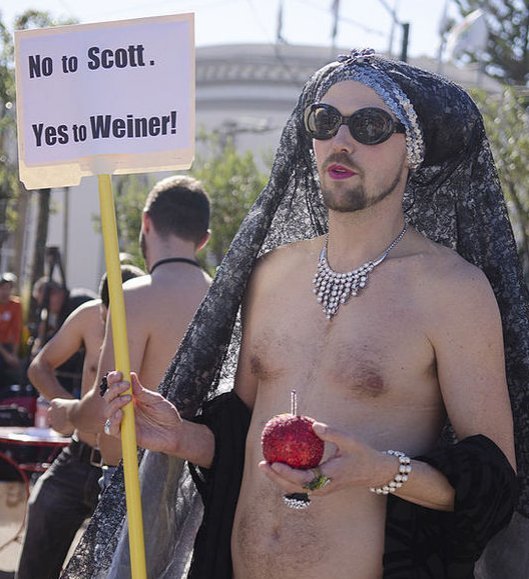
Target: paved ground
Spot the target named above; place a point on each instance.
(12, 510)
(13, 500)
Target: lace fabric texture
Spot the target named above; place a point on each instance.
(454, 198)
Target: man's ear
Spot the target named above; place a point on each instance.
(204, 240)
(146, 222)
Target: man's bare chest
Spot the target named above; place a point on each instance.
(368, 346)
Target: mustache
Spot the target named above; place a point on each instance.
(340, 158)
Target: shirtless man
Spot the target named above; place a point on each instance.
(67, 493)
(159, 306)
(382, 370)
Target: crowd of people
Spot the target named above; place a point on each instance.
(376, 275)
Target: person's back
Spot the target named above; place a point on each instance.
(159, 307)
(150, 304)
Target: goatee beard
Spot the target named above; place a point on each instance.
(356, 198)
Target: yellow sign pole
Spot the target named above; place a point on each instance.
(122, 363)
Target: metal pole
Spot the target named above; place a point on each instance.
(405, 40)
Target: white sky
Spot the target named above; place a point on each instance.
(363, 23)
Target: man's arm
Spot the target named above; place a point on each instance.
(156, 427)
(468, 343)
(64, 344)
(87, 414)
(159, 426)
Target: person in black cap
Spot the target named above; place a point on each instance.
(374, 275)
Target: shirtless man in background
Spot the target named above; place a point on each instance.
(159, 306)
(382, 370)
(67, 493)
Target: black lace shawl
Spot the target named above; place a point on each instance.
(454, 198)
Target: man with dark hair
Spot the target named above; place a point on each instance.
(373, 276)
(66, 494)
(159, 306)
(55, 302)
(185, 213)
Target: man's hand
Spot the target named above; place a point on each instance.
(158, 424)
(58, 416)
(353, 463)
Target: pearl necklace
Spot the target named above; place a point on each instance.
(333, 289)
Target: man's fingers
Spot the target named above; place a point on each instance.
(135, 383)
(286, 485)
(116, 390)
(333, 435)
(114, 405)
(113, 424)
(114, 377)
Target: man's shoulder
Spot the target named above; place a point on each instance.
(294, 254)
(76, 297)
(83, 315)
(452, 283)
(87, 308)
(449, 268)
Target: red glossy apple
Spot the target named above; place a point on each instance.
(289, 438)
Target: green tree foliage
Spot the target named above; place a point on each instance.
(233, 181)
(130, 192)
(8, 172)
(507, 53)
(507, 126)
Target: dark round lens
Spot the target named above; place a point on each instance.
(371, 126)
(322, 121)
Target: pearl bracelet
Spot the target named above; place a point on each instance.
(399, 479)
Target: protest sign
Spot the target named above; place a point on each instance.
(102, 99)
(108, 98)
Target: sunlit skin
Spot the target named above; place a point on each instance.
(159, 308)
(423, 341)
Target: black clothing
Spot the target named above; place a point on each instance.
(229, 419)
(420, 543)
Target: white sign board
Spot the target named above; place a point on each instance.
(108, 98)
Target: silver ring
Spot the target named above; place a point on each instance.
(107, 426)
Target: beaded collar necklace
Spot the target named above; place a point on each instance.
(333, 289)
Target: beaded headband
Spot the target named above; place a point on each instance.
(361, 66)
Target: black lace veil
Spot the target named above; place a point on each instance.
(454, 198)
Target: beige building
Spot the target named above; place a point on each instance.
(246, 91)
